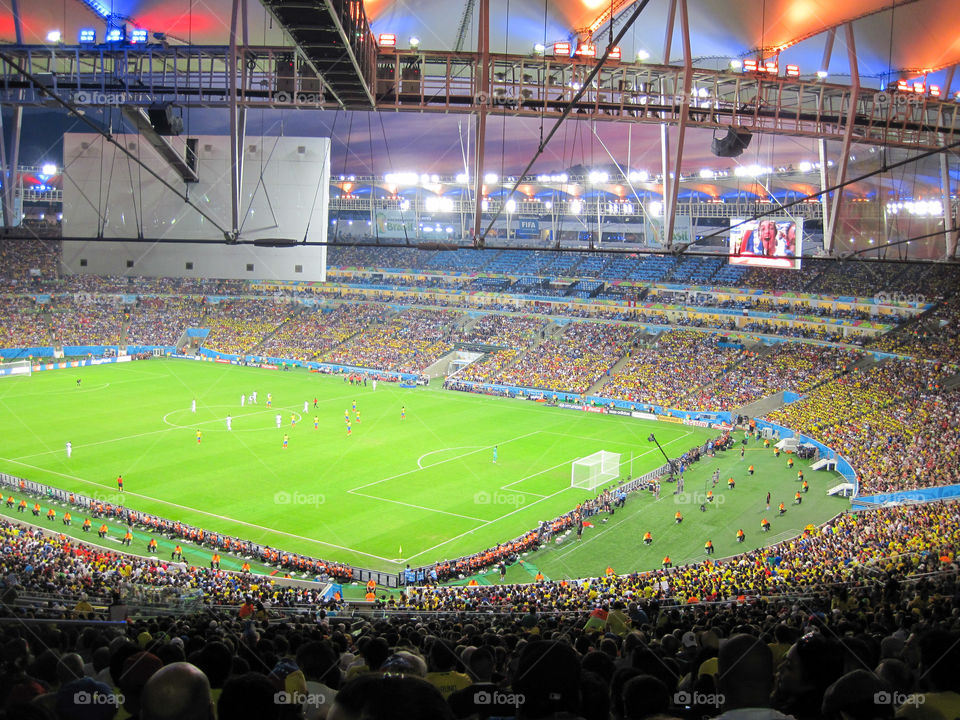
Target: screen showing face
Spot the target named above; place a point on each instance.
(766, 243)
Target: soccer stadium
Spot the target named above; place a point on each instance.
(379, 360)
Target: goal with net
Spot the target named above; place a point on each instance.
(16, 367)
(592, 471)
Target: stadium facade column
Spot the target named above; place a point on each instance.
(664, 127)
(12, 181)
(481, 100)
(822, 143)
(238, 114)
(832, 223)
(951, 213)
(684, 99)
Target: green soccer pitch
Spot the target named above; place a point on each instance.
(398, 490)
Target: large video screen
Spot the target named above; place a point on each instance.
(766, 243)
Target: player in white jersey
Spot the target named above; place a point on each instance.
(279, 420)
(229, 423)
(69, 449)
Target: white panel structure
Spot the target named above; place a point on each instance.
(284, 195)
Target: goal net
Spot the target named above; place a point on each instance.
(589, 473)
(16, 367)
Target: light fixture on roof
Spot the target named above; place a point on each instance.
(387, 40)
(53, 36)
(539, 48)
(615, 53)
(138, 36)
(561, 49)
(490, 178)
(736, 64)
(114, 35)
(48, 169)
(596, 177)
(414, 42)
(822, 74)
(793, 71)
(87, 36)
(643, 55)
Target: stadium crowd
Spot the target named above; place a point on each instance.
(408, 342)
(309, 334)
(866, 629)
(239, 326)
(572, 361)
(162, 320)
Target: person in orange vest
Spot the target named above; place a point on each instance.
(370, 596)
(782, 509)
(36, 509)
(152, 546)
(731, 483)
(647, 538)
(776, 451)
(805, 486)
(102, 532)
(371, 585)
(750, 470)
(790, 462)
(22, 507)
(765, 525)
(798, 498)
(741, 536)
(127, 538)
(245, 567)
(51, 514)
(10, 501)
(215, 561)
(709, 495)
(678, 517)
(708, 547)
(177, 553)
(538, 577)
(609, 571)
(666, 562)
(799, 475)
(86, 525)
(66, 518)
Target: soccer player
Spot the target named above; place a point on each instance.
(316, 422)
(315, 400)
(716, 477)
(403, 412)
(193, 406)
(78, 382)
(199, 436)
(69, 449)
(254, 397)
(768, 501)
(243, 400)
(349, 429)
(742, 450)
(269, 399)
(120, 483)
(494, 454)
(358, 417)
(374, 383)
(306, 405)
(293, 419)
(229, 423)
(354, 405)
(286, 439)
(279, 420)
(346, 416)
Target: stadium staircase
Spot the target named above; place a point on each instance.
(258, 348)
(614, 369)
(763, 406)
